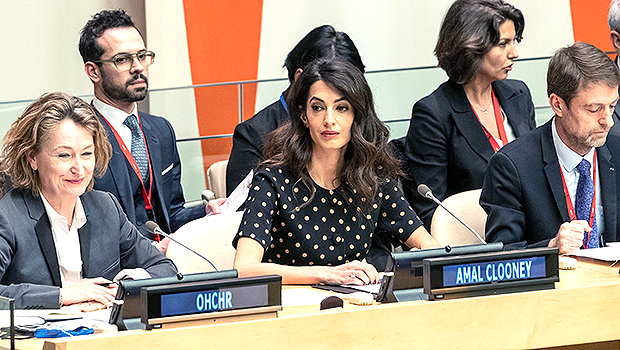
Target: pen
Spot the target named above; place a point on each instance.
(107, 284)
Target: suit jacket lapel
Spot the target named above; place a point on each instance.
(118, 171)
(616, 114)
(552, 170)
(511, 105)
(43, 229)
(154, 147)
(84, 234)
(467, 122)
(608, 188)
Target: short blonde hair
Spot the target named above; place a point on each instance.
(32, 129)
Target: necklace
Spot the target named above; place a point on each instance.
(483, 110)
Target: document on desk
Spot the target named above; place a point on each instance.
(611, 252)
(42, 316)
(303, 296)
(368, 288)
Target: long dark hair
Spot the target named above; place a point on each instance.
(322, 42)
(368, 159)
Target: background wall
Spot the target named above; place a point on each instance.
(211, 41)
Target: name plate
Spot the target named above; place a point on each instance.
(491, 273)
(210, 300)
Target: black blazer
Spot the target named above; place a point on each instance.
(169, 203)
(447, 149)
(523, 193)
(248, 139)
(29, 269)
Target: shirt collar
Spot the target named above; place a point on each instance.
(115, 116)
(568, 158)
(79, 216)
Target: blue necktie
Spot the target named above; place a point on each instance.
(138, 147)
(583, 202)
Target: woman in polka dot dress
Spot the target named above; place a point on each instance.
(328, 182)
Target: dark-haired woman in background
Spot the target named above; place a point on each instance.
(247, 151)
(457, 128)
(328, 181)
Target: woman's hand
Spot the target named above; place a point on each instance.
(88, 290)
(248, 262)
(86, 306)
(421, 239)
(354, 272)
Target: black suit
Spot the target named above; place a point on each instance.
(167, 193)
(248, 139)
(523, 193)
(447, 149)
(615, 130)
(29, 269)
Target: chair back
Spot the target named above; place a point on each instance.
(216, 178)
(210, 236)
(447, 230)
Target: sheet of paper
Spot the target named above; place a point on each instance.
(609, 253)
(303, 296)
(368, 288)
(34, 317)
(239, 195)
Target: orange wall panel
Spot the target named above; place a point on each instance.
(223, 41)
(590, 22)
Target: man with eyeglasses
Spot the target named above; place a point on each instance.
(144, 172)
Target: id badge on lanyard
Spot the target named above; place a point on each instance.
(146, 194)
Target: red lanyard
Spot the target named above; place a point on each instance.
(498, 120)
(145, 194)
(569, 202)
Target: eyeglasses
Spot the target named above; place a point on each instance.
(124, 61)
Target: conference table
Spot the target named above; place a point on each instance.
(582, 312)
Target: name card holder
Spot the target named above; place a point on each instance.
(199, 303)
(491, 273)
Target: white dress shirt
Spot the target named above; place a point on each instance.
(569, 161)
(67, 242)
(116, 118)
(510, 134)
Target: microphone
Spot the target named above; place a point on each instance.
(426, 192)
(152, 227)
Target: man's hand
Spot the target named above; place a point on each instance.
(570, 236)
(214, 206)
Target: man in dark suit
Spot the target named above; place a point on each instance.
(145, 170)
(249, 136)
(613, 20)
(557, 185)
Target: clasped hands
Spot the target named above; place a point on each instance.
(90, 294)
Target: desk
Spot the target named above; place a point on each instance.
(584, 308)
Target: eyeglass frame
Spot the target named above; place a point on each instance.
(133, 57)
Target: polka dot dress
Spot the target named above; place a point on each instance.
(330, 230)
